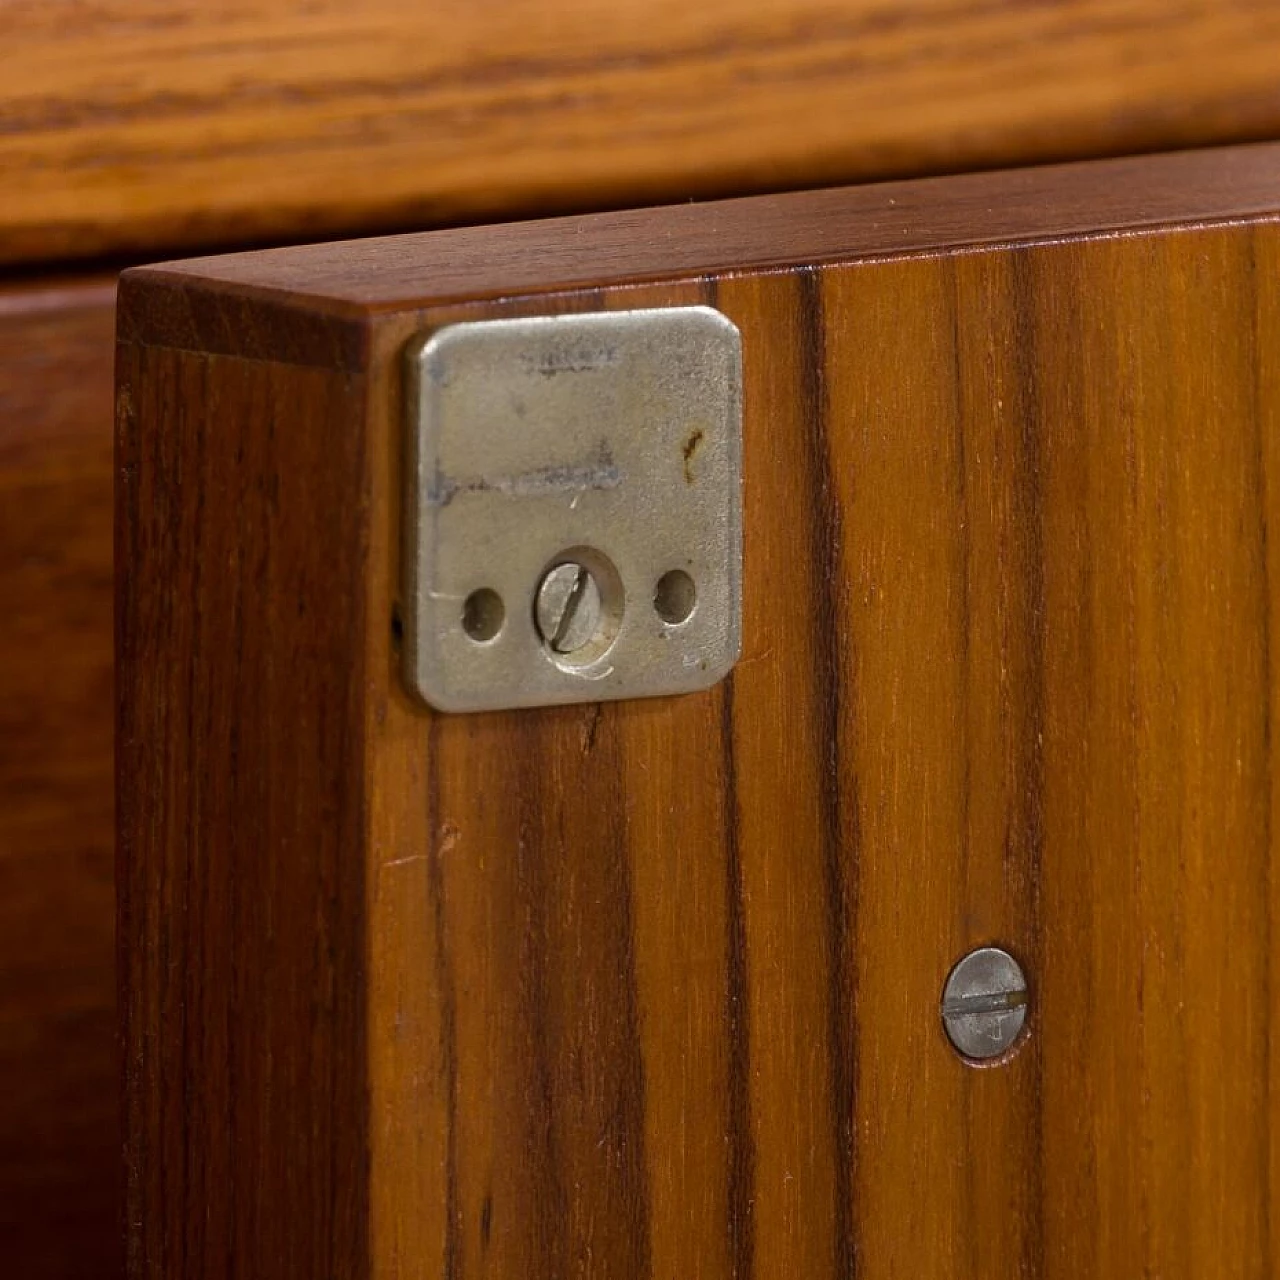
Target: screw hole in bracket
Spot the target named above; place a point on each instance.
(675, 597)
(598, 590)
(483, 615)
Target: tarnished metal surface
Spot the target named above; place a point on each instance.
(984, 1004)
(607, 443)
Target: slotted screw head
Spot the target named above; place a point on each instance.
(567, 610)
(984, 1003)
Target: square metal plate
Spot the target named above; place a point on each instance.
(607, 442)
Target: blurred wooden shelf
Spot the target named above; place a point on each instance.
(133, 127)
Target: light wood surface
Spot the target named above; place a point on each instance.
(127, 125)
(59, 1127)
(652, 988)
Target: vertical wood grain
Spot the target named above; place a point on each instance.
(59, 1093)
(1266, 324)
(651, 989)
(242, 924)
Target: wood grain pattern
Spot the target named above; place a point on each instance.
(651, 988)
(131, 124)
(262, 1174)
(59, 1127)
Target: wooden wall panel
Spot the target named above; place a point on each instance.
(129, 126)
(652, 988)
(59, 1130)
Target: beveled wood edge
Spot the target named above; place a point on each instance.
(312, 304)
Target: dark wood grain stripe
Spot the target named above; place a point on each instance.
(737, 1010)
(549, 1207)
(838, 803)
(632, 1192)
(741, 1225)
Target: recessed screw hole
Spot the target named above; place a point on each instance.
(483, 615)
(567, 609)
(578, 607)
(675, 597)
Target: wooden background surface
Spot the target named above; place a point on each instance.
(59, 1143)
(136, 126)
(651, 988)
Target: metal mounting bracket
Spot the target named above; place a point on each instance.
(573, 508)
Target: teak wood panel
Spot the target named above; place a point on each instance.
(59, 1077)
(132, 124)
(651, 988)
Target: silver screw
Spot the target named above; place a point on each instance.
(984, 1003)
(568, 608)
